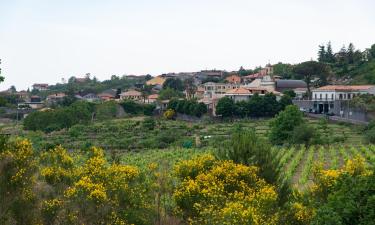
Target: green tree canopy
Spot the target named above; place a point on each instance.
(226, 107)
(173, 83)
(283, 124)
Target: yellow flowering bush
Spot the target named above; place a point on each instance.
(17, 181)
(58, 166)
(104, 193)
(305, 207)
(222, 192)
(169, 114)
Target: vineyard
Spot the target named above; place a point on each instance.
(131, 134)
(296, 163)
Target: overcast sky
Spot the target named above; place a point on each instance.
(44, 41)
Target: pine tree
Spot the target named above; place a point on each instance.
(350, 53)
(329, 54)
(342, 56)
(322, 54)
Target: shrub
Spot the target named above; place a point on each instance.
(225, 107)
(283, 125)
(304, 134)
(169, 114)
(149, 124)
(51, 120)
(106, 110)
(222, 192)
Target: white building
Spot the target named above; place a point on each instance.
(40, 87)
(329, 98)
(341, 92)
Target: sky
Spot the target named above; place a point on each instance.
(43, 41)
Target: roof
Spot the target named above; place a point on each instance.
(300, 89)
(233, 79)
(90, 95)
(153, 96)
(239, 91)
(106, 95)
(345, 87)
(108, 92)
(57, 95)
(290, 84)
(156, 81)
(40, 85)
(254, 76)
(131, 93)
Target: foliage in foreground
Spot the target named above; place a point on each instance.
(58, 187)
(343, 196)
(222, 192)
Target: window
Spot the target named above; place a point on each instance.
(320, 96)
(340, 96)
(332, 96)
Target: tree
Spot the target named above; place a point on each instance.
(283, 70)
(168, 93)
(1, 77)
(372, 51)
(255, 106)
(173, 83)
(309, 70)
(330, 58)
(285, 101)
(350, 53)
(245, 147)
(322, 54)
(13, 88)
(303, 134)
(225, 107)
(190, 88)
(283, 124)
(290, 93)
(270, 105)
(342, 57)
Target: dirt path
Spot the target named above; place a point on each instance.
(298, 171)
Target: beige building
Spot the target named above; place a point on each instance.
(132, 95)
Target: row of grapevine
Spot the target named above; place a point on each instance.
(332, 157)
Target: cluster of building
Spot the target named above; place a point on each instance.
(327, 99)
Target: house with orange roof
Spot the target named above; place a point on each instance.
(244, 94)
(152, 98)
(235, 79)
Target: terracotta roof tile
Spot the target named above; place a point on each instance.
(345, 87)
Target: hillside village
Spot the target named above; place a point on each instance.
(206, 86)
(187, 113)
